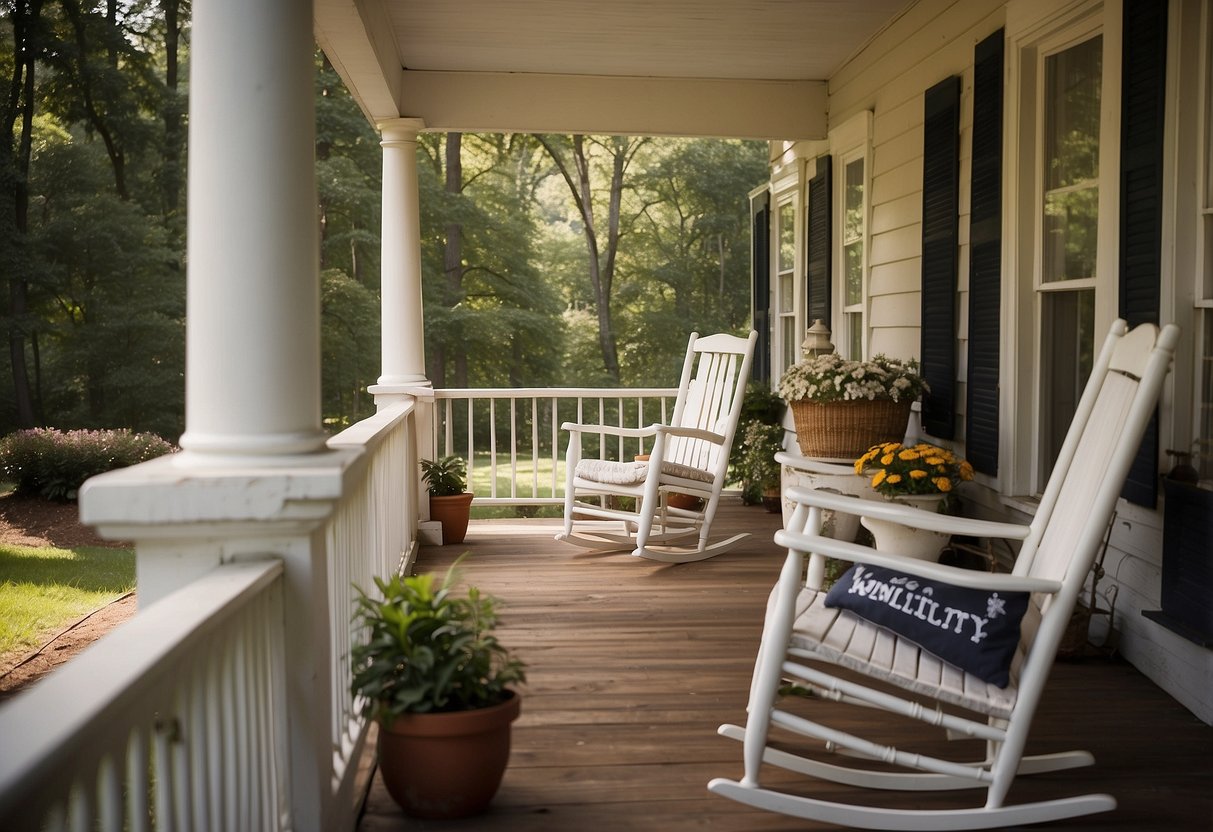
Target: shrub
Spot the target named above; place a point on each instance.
(54, 463)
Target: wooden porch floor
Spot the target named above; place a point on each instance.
(633, 665)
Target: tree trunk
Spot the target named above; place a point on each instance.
(171, 157)
(452, 261)
(15, 168)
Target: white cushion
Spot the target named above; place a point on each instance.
(609, 471)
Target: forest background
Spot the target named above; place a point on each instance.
(547, 260)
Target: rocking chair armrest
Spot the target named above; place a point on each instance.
(970, 578)
(613, 430)
(907, 516)
(692, 433)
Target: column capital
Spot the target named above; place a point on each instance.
(400, 129)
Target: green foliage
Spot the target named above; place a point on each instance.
(445, 476)
(54, 463)
(429, 650)
(759, 444)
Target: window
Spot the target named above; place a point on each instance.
(1070, 229)
(854, 227)
(785, 284)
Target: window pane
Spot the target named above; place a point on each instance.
(1071, 234)
(1072, 88)
(853, 293)
(855, 335)
(852, 228)
(785, 292)
(791, 347)
(1068, 332)
(787, 236)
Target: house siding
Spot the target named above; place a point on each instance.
(931, 40)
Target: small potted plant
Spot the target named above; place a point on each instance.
(434, 676)
(450, 501)
(757, 465)
(921, 475)
(841, 407)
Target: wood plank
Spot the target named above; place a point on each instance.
(633, 665)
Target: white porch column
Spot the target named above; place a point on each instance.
(253, 330)
(403, 330)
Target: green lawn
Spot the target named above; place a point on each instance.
(481, 478)
(43, 590)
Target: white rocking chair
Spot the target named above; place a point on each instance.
(688, 456)
(802, 636)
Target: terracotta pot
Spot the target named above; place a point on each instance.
(686, 502)
(772, 500)
(452, 512)
(447, 765)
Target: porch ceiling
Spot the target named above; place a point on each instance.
(743, 68)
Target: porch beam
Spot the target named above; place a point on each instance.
(536, 103)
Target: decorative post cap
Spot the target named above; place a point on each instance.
(817, 340)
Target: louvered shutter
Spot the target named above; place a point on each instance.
(760, 284)
(940, 203)
(985, 258)
(818, 267)
(1143, 95)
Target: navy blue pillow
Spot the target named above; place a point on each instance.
(974, 629)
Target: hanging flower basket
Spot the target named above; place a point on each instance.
(843, 407)
(846, 429)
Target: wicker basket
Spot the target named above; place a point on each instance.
(844, 430)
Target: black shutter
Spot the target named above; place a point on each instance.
(940, 204)
(818, 267)
(760, 284)
(1143, 94)
(985, 258)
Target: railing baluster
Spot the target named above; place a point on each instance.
(535, 446)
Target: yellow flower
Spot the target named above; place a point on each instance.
(917, 474)
(943, 484)
(934, 460)
(887, 459)
(893, 479)
(878, 477)
(966, 470)
(908, 454)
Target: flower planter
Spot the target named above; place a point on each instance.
(447, 765)
(846, 429)
(907, 541)
(452, 512)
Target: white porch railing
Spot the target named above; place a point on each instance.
(515, 433)
(225, 703)
(177, 721)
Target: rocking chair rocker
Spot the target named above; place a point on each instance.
(807, 630)
(689, 456)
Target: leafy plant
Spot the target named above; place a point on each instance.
(429, 650)
(759, 444)
(54, 463)
(832, 378)
(445, 476)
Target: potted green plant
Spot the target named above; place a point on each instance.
(759, 405)
(437, 680)
(757, 466)
(842, 407)
(450, 501)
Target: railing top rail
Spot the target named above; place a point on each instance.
(43, 726)
(552, 392)
(374, 427)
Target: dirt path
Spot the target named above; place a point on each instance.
(26, 522)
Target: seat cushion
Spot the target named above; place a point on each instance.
(610, 471)
(974, 629)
